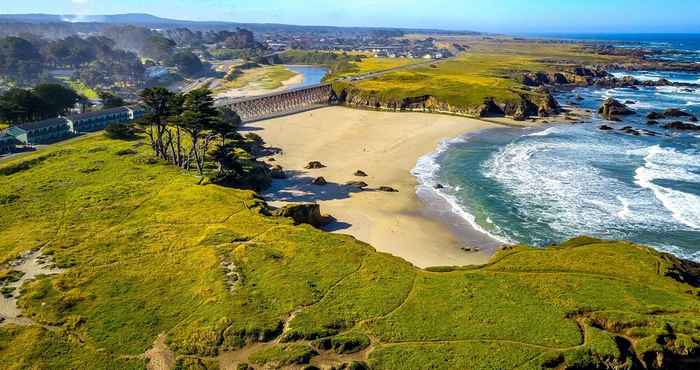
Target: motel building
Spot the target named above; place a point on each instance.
(94, 121)
(7, 143)
(60, 128)
(41, 132)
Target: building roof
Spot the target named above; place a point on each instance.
(5, 137)
(137, 108)
(82, 116)
(51, 122)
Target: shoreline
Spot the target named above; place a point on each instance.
(387, 146)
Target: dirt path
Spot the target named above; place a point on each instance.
(30, 265)
(160, 357)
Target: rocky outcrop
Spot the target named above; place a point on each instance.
(675, 113)
(655, 116)
(277, 172)
(320, 181)
(489, 108)
(521, 109)
(387, 189)
(670, 114)
(360, 173)
(612, 109)
(682, 126)
(315, 165)
(605, 128)
(306, 213)
(548, 106)
(357, 184)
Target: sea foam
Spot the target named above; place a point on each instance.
(426, 172)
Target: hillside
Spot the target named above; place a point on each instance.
(147, 20)
(144, 251)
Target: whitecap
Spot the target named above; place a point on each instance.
(426, 172)
(547, 132)
(626, 210)
(669, 164)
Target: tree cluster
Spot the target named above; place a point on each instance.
(143, 41)
(19, 59)
(187, 63)
(42, 102)
(98, 60)
(182, 128)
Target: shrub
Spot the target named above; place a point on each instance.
(344, 344)
(119, 131)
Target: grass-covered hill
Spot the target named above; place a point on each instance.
(489, 68)
(146, 251)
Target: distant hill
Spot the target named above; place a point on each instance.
(148, 20)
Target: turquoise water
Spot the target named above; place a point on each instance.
(313, 75)
(547, 185)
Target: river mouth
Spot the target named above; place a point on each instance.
(26, 268)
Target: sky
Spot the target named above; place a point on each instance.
(502, 16)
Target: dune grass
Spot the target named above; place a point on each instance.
(147, 251)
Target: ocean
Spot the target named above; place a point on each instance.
(546, 185)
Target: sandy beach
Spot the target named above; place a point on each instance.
(386, 146)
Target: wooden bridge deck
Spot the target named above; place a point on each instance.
(257, 108)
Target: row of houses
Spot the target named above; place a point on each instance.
(56, 129)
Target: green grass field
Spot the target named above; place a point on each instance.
(487, 69)
(146, 251)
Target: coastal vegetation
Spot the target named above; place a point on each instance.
(263, 77)
(148, 249)
(43, 101)
(487, 70)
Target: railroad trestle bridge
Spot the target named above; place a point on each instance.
(256, 108)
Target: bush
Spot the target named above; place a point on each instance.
(344, 344)
(119, 131)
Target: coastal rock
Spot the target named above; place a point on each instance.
(630, 102)
(559, 78)
(305, 213)
(629, 130)
(439, 186)
(471, 250)
(277, 172)
(652, 123)
(387, 189)
(320, 181)
(655, 115)
(314, 165)
(693, 119)
(357, 184)
(605, 128)
(682, 126)
(490, 109)
(360, 173)
(612, 108)
(522, 109)
(548, 106)
(675, 113)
